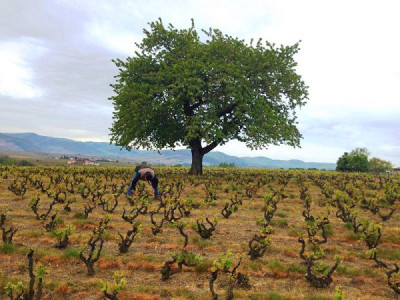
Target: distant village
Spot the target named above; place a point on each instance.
(85, 161)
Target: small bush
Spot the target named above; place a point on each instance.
(255, 266)
(281, 215)
(296, 268)
(389, 254)
(353, 236)
(274, 296)
(322, 267)
(348, 225)
(71, 253)
(344, 270)
(202, 243)
(283, 223)
(7, 248)
(275, 265)
(203, 266)
(80, 215)
(328, 229)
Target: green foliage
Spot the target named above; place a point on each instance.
(72, 253)
(283, 223)
(328, 229)
(339, 293)
(274, 264)
(377, 165)
(321, 267)
(180, 90)
(188, 257)
(202, 243)
(118, 284)
(61, 234)
(224, 262)
(227, 165)
(273, 295)
(8, 161)
(41, 271)
(80, 215)
(16, 289)
(355, 161)
(345, 270)
(296, 268)
(7, 248)
(203, 266)
(281, 215)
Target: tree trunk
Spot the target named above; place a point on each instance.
(197, 161)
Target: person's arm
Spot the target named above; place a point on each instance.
(135, 179)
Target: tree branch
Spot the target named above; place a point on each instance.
(209, 147)
(227, 110)
(196, 105)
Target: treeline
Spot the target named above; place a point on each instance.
(8, 161)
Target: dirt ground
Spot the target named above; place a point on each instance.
(279, 274)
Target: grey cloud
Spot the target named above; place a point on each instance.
(379, 133)
(75, 70)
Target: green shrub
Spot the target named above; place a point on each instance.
(7, 248)
(296, 268)
(283, 223)
(328, 229)
(255, 265)
(202, 243)
(273, 295)
(345, 270)
(203, 266)
(275, 265)
(71, 253)
(348, 225)
(80, 215)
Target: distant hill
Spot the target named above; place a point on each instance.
(32, 142)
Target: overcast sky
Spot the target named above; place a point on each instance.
(55, 65)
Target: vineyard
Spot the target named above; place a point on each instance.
(73, 233)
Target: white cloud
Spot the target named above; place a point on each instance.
(348, 57)
(106, 35)
(16, 73)
(309, 152)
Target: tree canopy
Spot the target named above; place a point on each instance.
(358, 161)
(179, 89)
(378, 165)
(355, 161)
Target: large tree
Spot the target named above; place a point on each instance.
(355, 161)
(179, 89)
(377, 165)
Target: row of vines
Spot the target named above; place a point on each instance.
(78, 208)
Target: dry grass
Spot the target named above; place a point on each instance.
(279, 274)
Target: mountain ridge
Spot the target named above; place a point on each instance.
(32, 142)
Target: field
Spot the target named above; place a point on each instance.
(313, 234)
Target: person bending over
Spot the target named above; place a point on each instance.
(144, 172)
